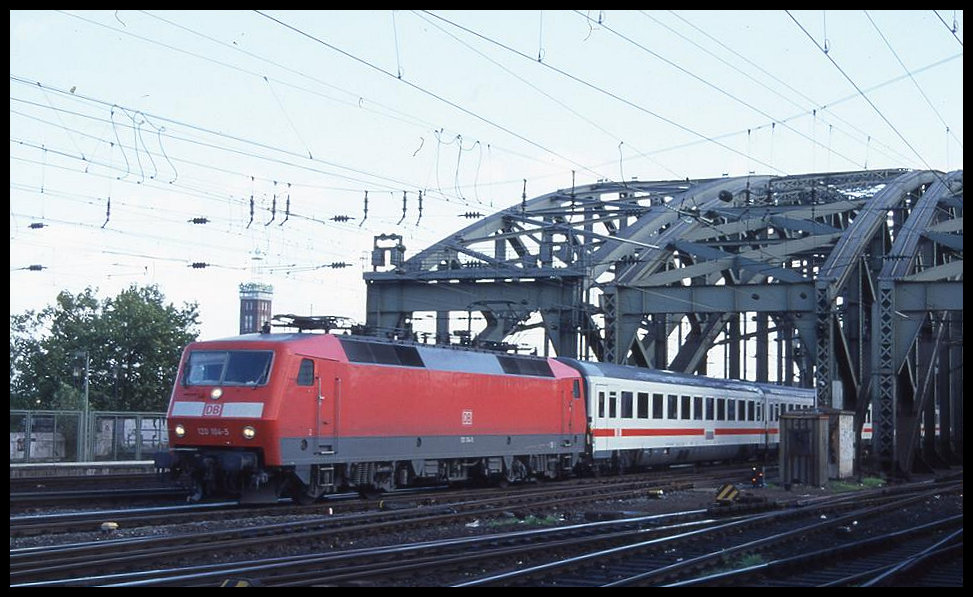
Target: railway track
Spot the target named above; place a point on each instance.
(701, 557)
(711, 544)
(318, 527)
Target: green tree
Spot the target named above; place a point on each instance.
(132, 344)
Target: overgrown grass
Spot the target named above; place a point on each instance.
(866, 483)
(530, 520)
(749, 560)
(745, 561)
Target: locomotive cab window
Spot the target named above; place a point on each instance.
(305, 376)
(228, 367)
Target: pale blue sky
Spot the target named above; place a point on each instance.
(190, 114)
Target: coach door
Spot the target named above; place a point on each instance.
(604, 403)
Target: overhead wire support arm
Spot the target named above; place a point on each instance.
(404, 204)
(365, 216)
(251, 203)
(287, 209)
(273, 206)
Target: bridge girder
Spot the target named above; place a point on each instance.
(854, 277)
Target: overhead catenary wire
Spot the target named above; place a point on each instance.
(140, 140)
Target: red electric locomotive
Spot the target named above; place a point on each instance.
(265, 415)
(303, 414)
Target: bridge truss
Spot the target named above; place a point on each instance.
(850, 282)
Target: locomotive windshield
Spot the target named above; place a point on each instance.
(227, 367)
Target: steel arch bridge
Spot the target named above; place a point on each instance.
(850, 282)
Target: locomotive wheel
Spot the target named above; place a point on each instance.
(298, 491)
(195, 492)
(304, 498)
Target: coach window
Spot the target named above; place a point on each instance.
(742, 410)
(686, 414)
(731, 409)
(657, 406)
(612, 404)
(626, 405)
(601, 405)
(305, 376)
(721, 409)
(698, 408)
(709, 408)
(751, 406)
(673, 407)
(643, 405)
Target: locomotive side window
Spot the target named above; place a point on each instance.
(381, 354)
(657, 406)
(305, 376)
(643, 405)
(228, 367)
(626, 405)
(525, 366)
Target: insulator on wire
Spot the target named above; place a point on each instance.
(199, 265)
(341, 218)
(36, 225)
(200, 220)
(471, 215)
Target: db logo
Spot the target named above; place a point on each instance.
(467, 417)
(212, 410)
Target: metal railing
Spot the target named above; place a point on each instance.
(61, 436)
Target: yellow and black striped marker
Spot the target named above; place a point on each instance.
(727, 493)
(238, 582)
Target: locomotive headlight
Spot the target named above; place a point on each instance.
(216, 393)
(249, 432)
(180, 430)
